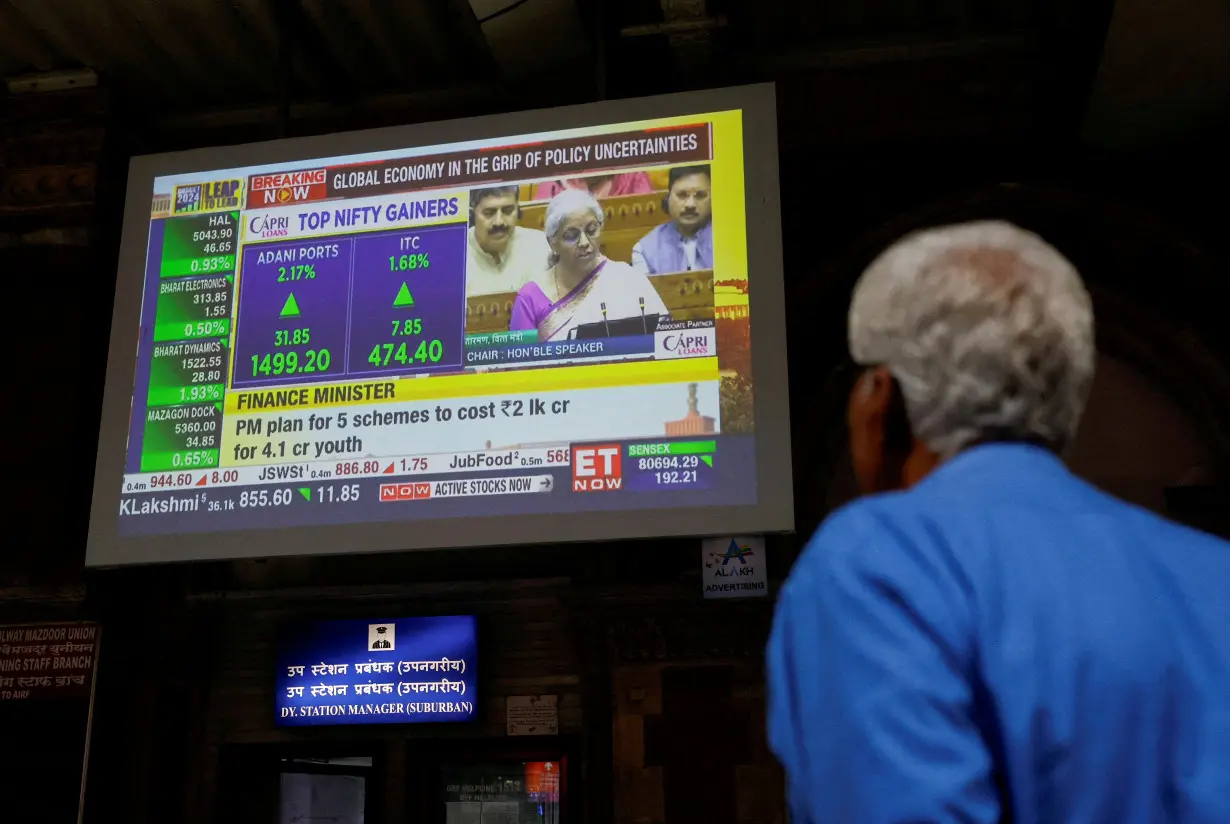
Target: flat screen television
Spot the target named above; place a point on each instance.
(550, 326)
(386, 671)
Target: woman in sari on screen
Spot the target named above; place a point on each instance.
(581, 285)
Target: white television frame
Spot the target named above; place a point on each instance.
(774, 510)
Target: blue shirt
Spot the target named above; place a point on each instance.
(1003, 640)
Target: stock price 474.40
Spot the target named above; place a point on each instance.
(406, 354)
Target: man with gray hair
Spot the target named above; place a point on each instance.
(984, 637)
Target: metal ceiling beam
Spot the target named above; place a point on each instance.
(676, 10)
(674, 27)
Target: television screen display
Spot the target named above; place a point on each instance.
(550, 326)
(398, 671)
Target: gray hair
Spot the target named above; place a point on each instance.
(987, 328)
(561, 206)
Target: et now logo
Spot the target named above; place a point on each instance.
(597, 468)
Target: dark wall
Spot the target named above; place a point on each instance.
(42, 759)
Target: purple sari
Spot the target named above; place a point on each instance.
(534, 310)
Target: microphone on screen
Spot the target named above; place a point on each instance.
(644, 321)
(605, 323)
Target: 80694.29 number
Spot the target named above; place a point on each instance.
(658, 462)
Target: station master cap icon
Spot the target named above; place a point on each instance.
(381, 637)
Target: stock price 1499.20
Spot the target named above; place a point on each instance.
(290, 363)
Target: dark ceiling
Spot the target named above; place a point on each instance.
(849, 72)
(202, 53)
(177, 55)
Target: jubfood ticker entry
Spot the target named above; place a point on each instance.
(545, 324)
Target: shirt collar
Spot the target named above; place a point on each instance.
(490, 258)
(677, 235)
(990, 461)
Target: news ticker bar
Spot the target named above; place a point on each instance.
(352, 469)
(465, 488)
(401, 466)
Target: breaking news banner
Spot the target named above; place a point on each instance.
(345, 339)
(558, 158)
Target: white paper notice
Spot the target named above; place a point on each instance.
(533, 714)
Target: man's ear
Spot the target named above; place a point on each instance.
(877, 389)
(880, 438)
(866, 415)
(898, 435)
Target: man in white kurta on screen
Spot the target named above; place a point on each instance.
(501, 255)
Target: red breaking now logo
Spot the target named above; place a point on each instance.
(404, 492)
(287, 180)
(596, 468)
